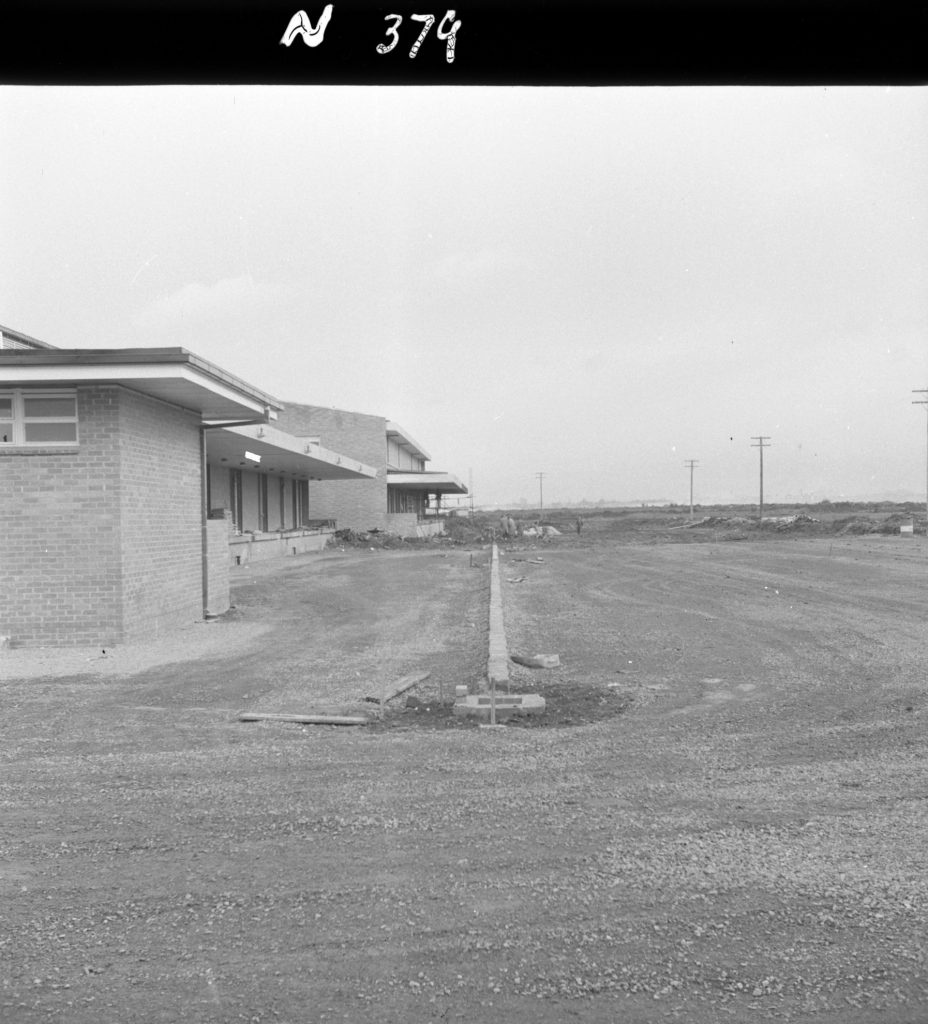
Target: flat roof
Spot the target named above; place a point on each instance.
(427, 481)
(282, 453)
(404, 439)
(171, 374)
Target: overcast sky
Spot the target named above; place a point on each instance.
(596, 284)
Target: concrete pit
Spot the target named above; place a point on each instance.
(508, 705)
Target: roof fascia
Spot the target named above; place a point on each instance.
(102, 364)
(405, 440)
(13, 372)
(299, 446)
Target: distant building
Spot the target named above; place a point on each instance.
(403, 497)
(10, 339)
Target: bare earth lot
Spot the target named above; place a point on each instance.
(723, 818)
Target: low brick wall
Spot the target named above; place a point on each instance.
(403, 524)
(430, 528)
(408, 524)
(261, 546)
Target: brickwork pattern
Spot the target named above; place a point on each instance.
(102, 543)
(59, 535)
(160, 514)
(404, 524)
(353, 504)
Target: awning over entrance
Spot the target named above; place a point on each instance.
(270, 450)
(430, 483)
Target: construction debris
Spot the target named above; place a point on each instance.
(778, 522)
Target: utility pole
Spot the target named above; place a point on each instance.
(923, 401)
(691, 463)
(541, 496)
(760, 445)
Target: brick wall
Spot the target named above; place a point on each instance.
(60, 555)
(354, 504)
(102, 544)
(160, 513)
(404, 524)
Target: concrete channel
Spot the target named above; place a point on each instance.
(494, 706)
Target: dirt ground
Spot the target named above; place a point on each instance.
(721, 817)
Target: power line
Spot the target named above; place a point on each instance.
(761, 446)
(691, 463)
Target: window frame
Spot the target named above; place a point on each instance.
(20, 421)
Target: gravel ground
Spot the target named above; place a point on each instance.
(723, 818)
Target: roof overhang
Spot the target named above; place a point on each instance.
(279, 452)
(430, 483)
(170, 374)
(396, 433)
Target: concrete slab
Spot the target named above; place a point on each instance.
(498, 656)
(507, 705)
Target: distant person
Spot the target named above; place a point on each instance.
(579, 524)
(510, 527)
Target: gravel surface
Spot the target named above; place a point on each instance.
(723, 818)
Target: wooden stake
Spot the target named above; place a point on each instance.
(398, 687)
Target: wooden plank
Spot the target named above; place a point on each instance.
(537, 660)
(308, 719)
(398, 687)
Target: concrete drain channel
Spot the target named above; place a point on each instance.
(494, 708)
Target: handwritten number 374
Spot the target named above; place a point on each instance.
(447, 29)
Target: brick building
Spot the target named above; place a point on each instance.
(128, 478)
(402, 498)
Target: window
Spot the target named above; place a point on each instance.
(38, 417)
(6, 419)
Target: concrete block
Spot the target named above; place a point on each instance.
(508, 705)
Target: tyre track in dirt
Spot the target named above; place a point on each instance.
(686, 619)
(752, 858)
